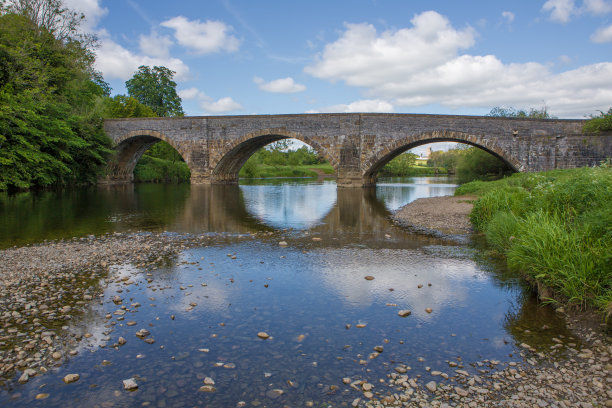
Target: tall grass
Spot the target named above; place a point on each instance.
(555, 227)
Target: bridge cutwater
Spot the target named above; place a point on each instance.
(356, 144)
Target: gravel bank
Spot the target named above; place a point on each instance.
(43, 287)
(448, 214)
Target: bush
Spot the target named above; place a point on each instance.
(601, 123)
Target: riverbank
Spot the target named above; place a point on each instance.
(447, 215)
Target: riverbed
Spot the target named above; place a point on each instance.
(267, 294)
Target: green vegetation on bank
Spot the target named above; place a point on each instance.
(555, 227)
(405, 165)
(470, 163)
(278, 160)
(600, 123)
(51, 130)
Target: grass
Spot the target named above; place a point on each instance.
(267, 171)
(555, 227)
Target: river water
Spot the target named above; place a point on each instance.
(205, 307)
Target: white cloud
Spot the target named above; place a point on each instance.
(282, 85)
(560, 10)
(191, 93)
(365, 105)
(422, 65)
(155, 45)
(597, 7)
(117, 62)
(203, 38)
(222, 105)
(508, 15)
(603, 35)
(92, 11)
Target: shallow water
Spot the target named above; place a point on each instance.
(205, 307)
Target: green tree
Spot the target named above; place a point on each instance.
(601, 123)
(502, 112)
(50, 123)
(155, 88)
(122, 106)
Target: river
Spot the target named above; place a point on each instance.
(205, 307)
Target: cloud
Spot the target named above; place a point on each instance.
(560, 10)
(222, 105)
(422, 65)
(92, 11)
(597, 7)
(117, 62)
(155, 45)
(191, 93)
(508, 15)
(208, 104)
(603, 35)
(366, 105)
(203, 38)
(282, 85)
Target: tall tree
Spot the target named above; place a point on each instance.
(50, 126)
(155, 88)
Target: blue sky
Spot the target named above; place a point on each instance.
(410, 56)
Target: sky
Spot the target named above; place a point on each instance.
(243, 57)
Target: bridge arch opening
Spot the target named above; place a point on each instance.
(148, 156)
(458, 154)
(284, 149)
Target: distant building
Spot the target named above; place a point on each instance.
(427, 154)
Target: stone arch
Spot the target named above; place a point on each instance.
(232, 157)
(130, 147)
(377, 159)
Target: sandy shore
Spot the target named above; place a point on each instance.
(447, 214)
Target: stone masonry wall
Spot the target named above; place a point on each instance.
(357, 145)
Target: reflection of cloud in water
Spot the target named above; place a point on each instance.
(400, 193)
(344, 271)
(299, 206)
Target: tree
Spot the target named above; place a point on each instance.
(502, 112)
(122, 106)
(155, 88)
(52, 16)
(50, 125)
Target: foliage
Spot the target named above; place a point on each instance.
(470, 163)
(155, 88)
(399, 166)
(53, 17)
(554, 226)
(153, 169)
(122, 106)
(279, 154)
(502, 112)
(50, 123)
(601, 123)
(476, 164)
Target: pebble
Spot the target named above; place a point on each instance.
(70, 378)
(369, 277)
(431, 386)
(130, 384)
(404, 313)
(207, 388)
(263, 335)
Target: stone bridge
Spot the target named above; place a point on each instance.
(357, 145)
